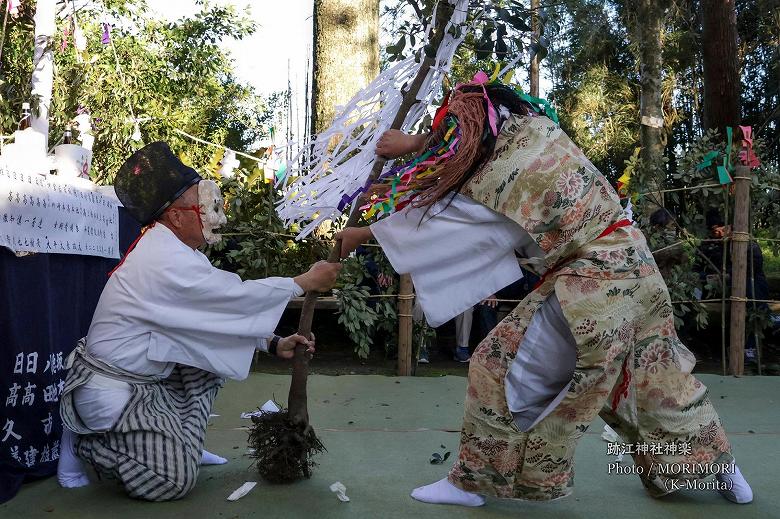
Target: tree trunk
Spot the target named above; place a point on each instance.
(721, 65)
(346, 54)
(649, 27)
(534, 66)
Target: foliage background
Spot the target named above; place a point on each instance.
(175, 76)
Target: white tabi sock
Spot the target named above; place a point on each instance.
(740, 491)
(70, 469)
(207, 458)
(445, 493)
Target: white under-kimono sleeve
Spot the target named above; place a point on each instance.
(458, 253)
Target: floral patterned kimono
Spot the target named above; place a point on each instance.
(631, 368)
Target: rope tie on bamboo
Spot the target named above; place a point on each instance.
(740, 236)
(743, 178)
(405, 297)
(405, 315)
(739, 299)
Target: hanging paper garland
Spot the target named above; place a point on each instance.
(747, 155)
(228, 164)
(79, 40)
(106, 38)
(722, 169)
(625, 179)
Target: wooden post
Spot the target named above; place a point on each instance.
(405, 326)
(740, 239)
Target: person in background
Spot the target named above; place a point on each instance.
(664, 243)
(756, 285)
(487, 310)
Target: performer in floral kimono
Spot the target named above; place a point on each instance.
(168, 329)
(596, 337)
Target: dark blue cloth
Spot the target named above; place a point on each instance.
(48, 304)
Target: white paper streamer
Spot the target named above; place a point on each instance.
(318, 177)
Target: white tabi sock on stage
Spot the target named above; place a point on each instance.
(70, 469)
(740, 492)
(445, 493)
(208, 458)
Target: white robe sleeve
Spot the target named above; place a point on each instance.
(195, 314)
(457, 254)
(222, 320)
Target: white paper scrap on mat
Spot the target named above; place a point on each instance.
(268, 407)
(340, 490)
(48, 215)
(242, 491)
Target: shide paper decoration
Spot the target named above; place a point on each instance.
(334, 167)
(106, 37)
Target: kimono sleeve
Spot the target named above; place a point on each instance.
(458, 253)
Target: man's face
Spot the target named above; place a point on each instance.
(719, 231)
(185, 219)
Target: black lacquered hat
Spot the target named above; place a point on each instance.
(151, 179)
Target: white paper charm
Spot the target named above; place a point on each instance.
(242, 491)
(339, 489)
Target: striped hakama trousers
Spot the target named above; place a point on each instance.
(154, 448)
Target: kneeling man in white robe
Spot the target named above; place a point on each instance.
(168, 329)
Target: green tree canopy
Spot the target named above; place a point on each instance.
(167, 75)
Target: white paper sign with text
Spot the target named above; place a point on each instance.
(47, 214)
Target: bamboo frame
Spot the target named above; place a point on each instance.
(405, 326)
(740, 239)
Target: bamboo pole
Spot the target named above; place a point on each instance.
(739, 246)
(753, 295)
(42, 80)
(723, 363)
(405, 344)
